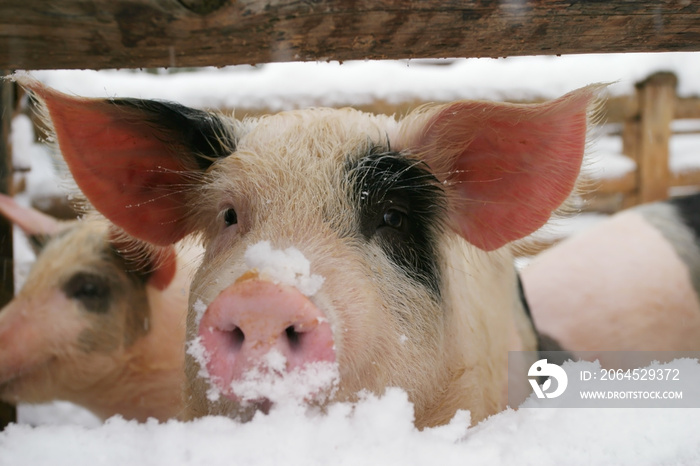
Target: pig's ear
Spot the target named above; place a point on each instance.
(38, 226)
(135, 160)
(31, 221)
(508, 166)
(154, 265)
(160, 268)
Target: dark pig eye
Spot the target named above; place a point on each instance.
(91, 290)
(230, 217)
(395, 218)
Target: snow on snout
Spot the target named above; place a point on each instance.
(288, 266)
(269, 380)
(196, 349)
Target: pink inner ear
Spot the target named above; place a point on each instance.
(511, 165)
(123, 165)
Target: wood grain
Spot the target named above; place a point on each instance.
(95, 34)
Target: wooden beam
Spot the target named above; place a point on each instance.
(94, 34)
(626, 184)
(686, 178)
(688, 107)
(7, 284)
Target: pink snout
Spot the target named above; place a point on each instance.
(251, 319)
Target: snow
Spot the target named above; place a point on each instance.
(684, 153)
(199, 308)
(196, 349)
(375, 430)
(55, 414)
(269, 380)
(286, 266)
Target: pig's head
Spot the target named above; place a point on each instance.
(77, 330)
(337, 238)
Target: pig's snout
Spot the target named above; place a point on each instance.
(251, 323)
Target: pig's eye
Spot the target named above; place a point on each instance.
(90, 290)
(395, 218)
(230, 217)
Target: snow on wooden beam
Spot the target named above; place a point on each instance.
(93, 34)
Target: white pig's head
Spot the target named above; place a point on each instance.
(394, 234)
(77, 330)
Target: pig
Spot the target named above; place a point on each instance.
(95, 323)
(394, 236)
(629, 283)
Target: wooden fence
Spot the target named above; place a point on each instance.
(646, 121)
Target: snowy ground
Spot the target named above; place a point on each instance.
(376, 431)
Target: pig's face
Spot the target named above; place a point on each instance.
(401, 225)
(99, 320)
(67, 329)
(369, 220)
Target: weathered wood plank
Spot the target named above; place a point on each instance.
(7, 107)
(94, 34)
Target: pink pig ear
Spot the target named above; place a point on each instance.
(157, 265)
(134, 159)
(509, 166)
(31, 221)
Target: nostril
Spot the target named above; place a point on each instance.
(236, 338)
(293, 337)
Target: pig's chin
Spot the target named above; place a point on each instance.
(242, 411)
(262, 405)
(261, 389)
(246, 410)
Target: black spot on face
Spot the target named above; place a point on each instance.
(92, 291)
(401, 205)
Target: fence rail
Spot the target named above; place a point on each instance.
(99, 34)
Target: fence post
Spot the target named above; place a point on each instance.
(630, 147)
(657, 98)
(8, 412)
